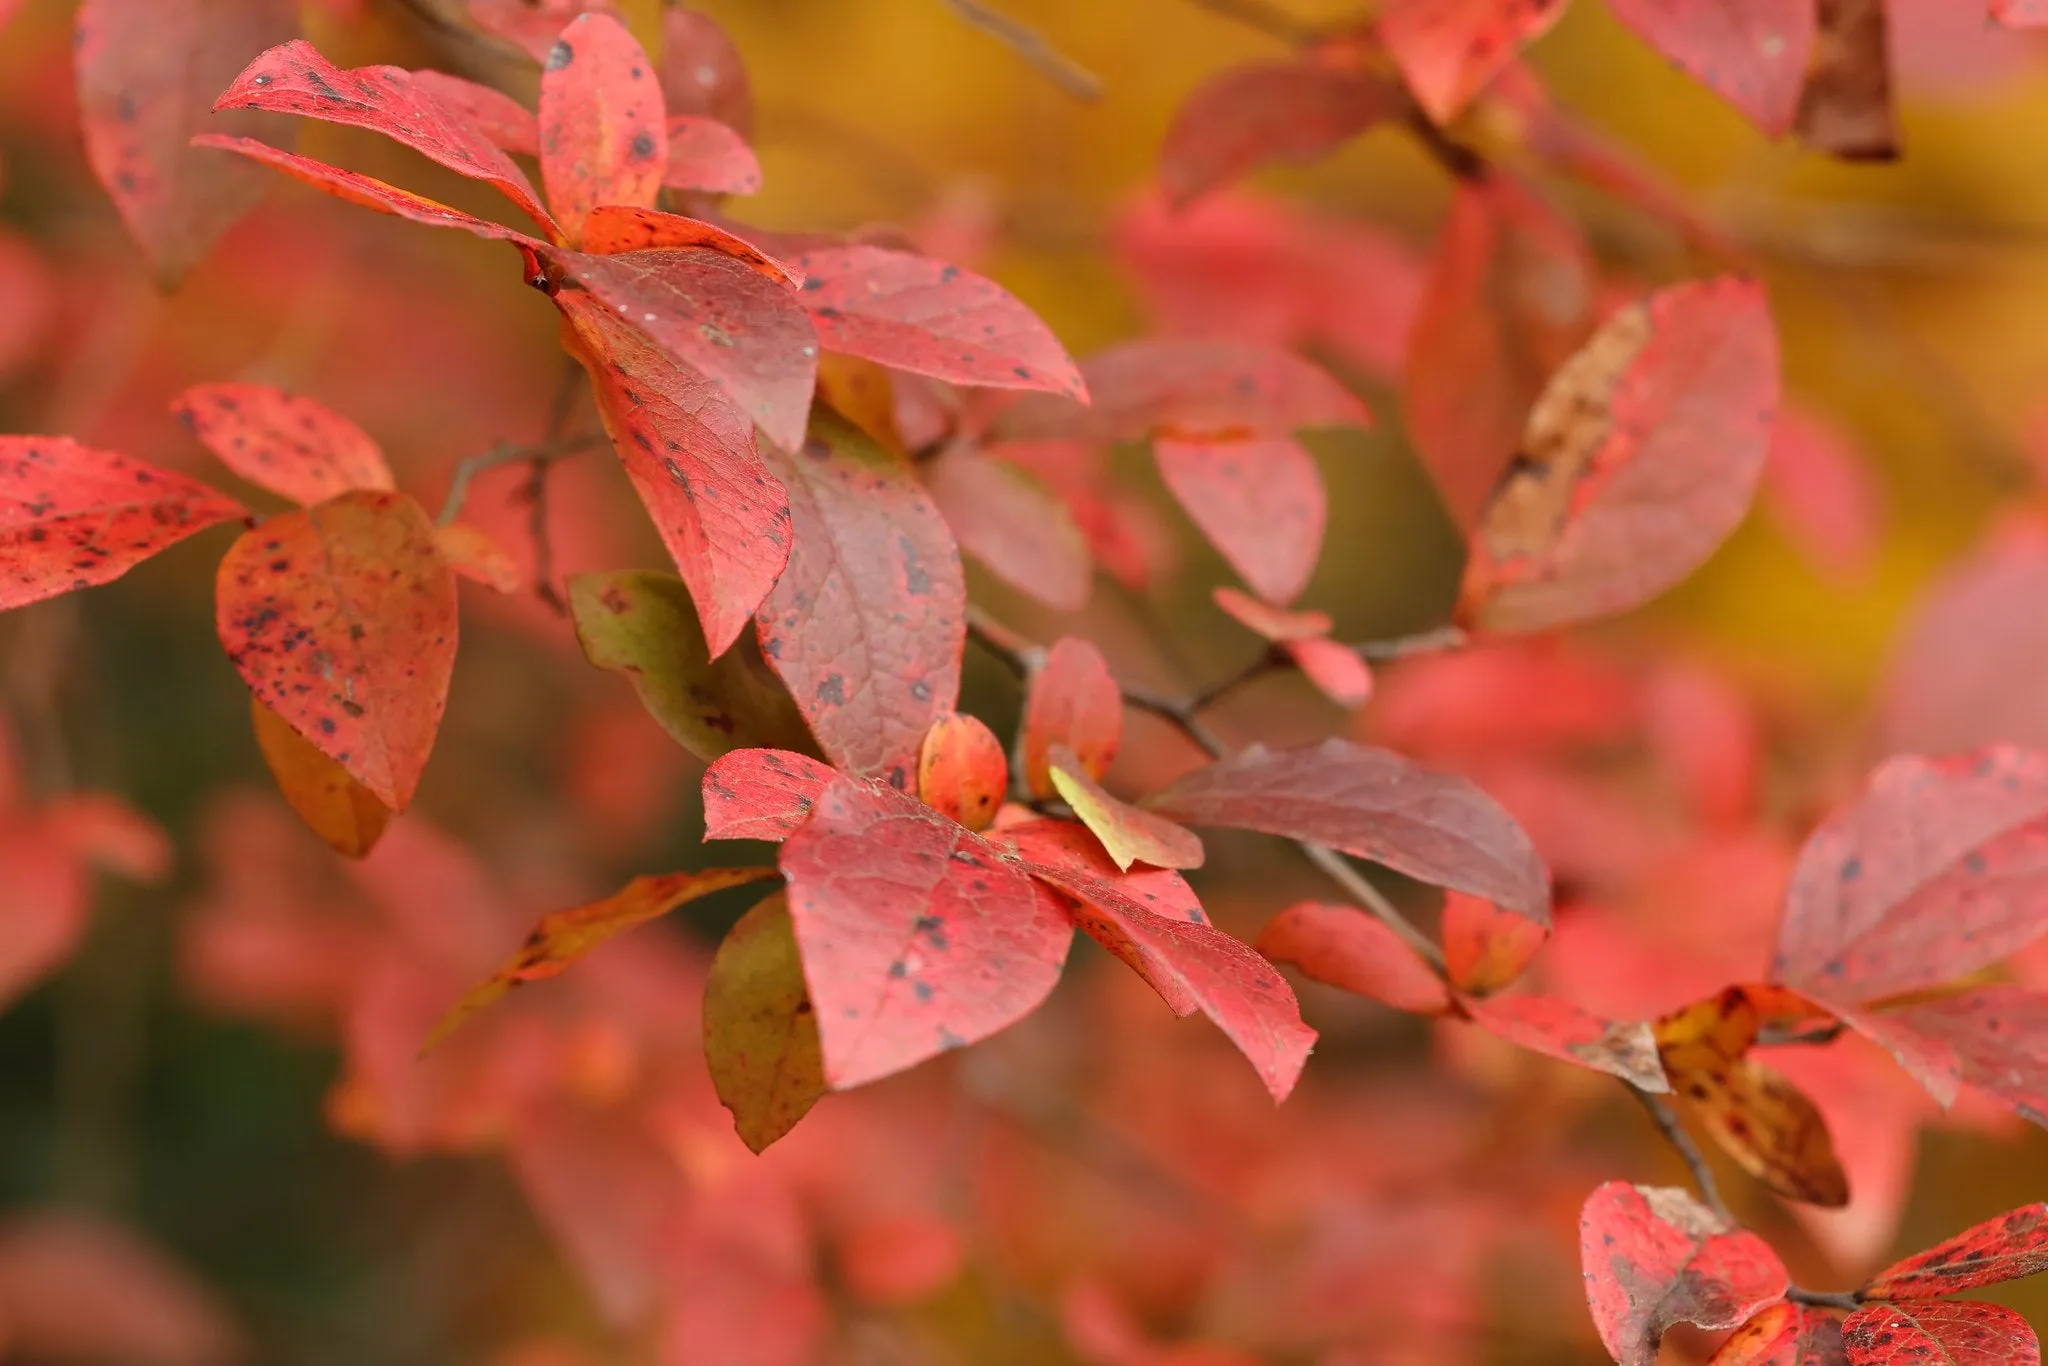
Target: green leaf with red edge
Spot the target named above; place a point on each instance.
(868, 624)
(1019, 531)
(1752, 53)
(147, 72)
(1961, 1334)
(1343, 947)
(615, 228)
(720, 317)
(1073, 701)
(1373, 803)
(562, 939)
(1152, 923)
(2020, 13)
(342, 619)
(73, 517)
(333, 804)
(1846, 109)
(1128, 834)
(1558, 1029)
(1260, 503)
(294, 446)
(690, 454)
(1995, 1038)
(962, 772)
(2012, 1246)
(760, 1029)
(1485, 947)
(603, 131)
(1640, 458)
(505, 121)
(1448, 50)
(368, 191)
(707, 156)
(1654, 1257)
(761, 794)
(1188, 388)
(1510, 297)
(924, 316)
(642, 624)
(917, 935)
(1785, 1334)
(1268, 113)
(293, 78)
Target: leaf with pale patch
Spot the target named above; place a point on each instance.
(1074, 702)
(1558, 1029)
(1129, 834)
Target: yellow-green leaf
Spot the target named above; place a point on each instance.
(760, 1033)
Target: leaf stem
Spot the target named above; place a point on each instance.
(1825, 1299)
(1674, 1133)
(507, 453)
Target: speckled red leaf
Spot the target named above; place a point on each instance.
(690, 453)
(1128, 834)
(917, 935)
(705, 155)
(1655, 1257)
(1963, 1334)
(1373, 803)
(295, 447)
(868, 624)
(603, 132)
(1150, 922)
(1995, 1038)
(72, 517)
(1189, 388)
(1343, 947)
(1640, 458)
(962, 772)
(1785, 1334)
(924, 316)
(342, 619)
(1260, 503)
(1486, 948)
(1846, 108)
(1558, 1029)
(1937, 868)
(502, 119)
(1018, 531)
(367, 191)
(1752, 53)
(1269, 113)
(1074, 701)
(722, 318)
(147, 73)
(2020, 13)
(761, 794)
(2013, 1245)
(1510, 296)
(1450, 49)
(293, 78)
(614, 228)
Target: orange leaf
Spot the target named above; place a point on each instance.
(333, 805)
(961, 771)
(474, 554)
(1485, 947)
(1343, 947)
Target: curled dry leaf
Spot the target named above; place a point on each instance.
(1485, 947)
(761, 794)
(1785, 1334)
(760, 1030)
(962, 772)
(1965, 1334)
(1752, 54)
(1260, 503)
(1448, 52)
(1343, 947)
(1274, 113)
(1846, 108)
(603, 132)
(1129, 834)
(1561, 1030)
(1072, 701)
(2013, 1245)
(293, 446)
(333, 805)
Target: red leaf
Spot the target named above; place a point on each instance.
(1752, 53)
(1336, 670)
(2020, 13)
(1021, 533)
(293, 446)
(342, 619)
(1449, 49)
(147, 73)
(1640, 458)
(1486, 948)
(1996, 1039)
(1510, 297)
(1192, 965)
(1273, 623)
(1128, 834)
(761, 794)
(1288, 113)
(1965, 1334)
(917, 936)
(1785, 1335)
(702, 73)
(868, 624)
(690, 453)
(614, 228)
(72, 517)
(1821, 492)
(720, 317)
(1559, 1029)
(475, 555)
(704, 154)
(1260, 503)
(962, 772)
(48, 901)
(1075, 702)
(75, 1288)
(1846, 108)
(532, 26)
(295, 79)
(504, 120)
(603, 138)
(929, 318)
(367, 191)
(1937, 868)
(1655, 1257)
(1343, 947)
(2007, 1248)
(1377, 805)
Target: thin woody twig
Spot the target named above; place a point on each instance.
(507, 453)
(1675, 1134)
(1062, 70)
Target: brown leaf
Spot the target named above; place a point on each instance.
(1846, 108)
